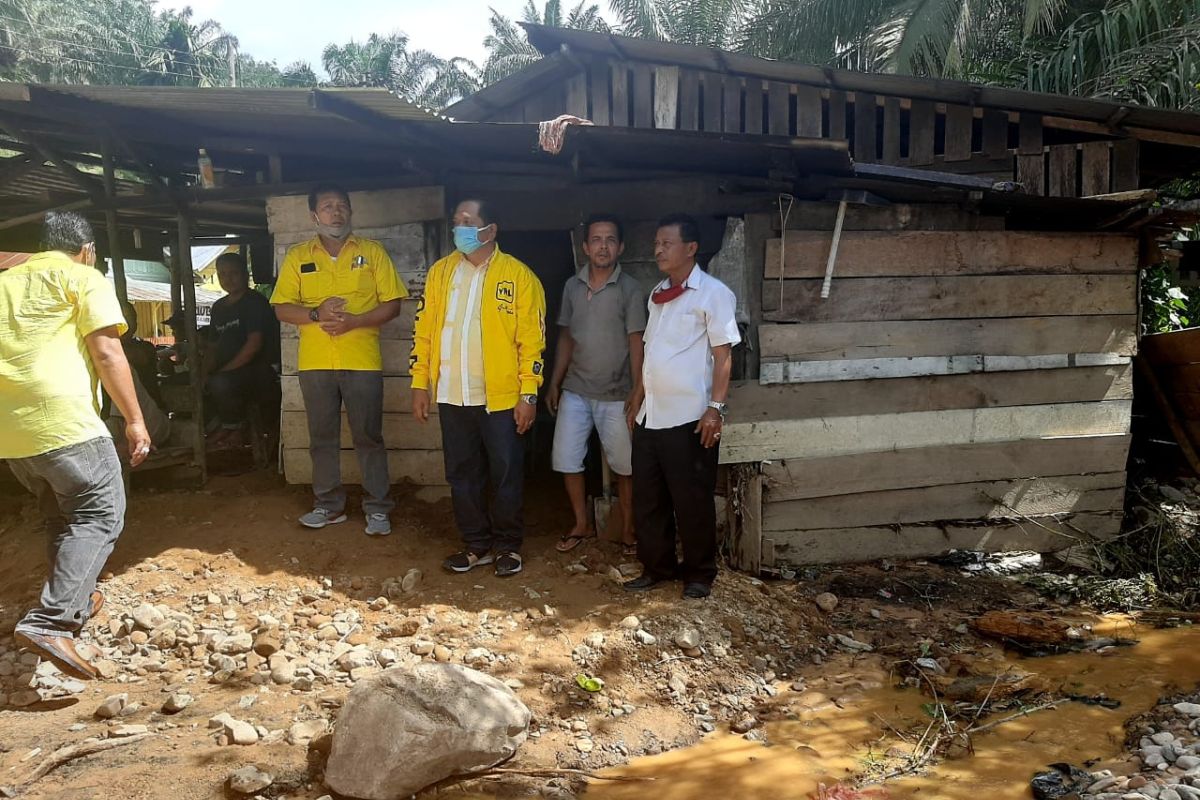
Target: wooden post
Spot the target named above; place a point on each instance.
(187, 280)
(746, 549)
(110, 220)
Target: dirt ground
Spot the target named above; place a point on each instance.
(232, 558)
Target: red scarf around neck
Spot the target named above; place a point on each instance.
(661, 296)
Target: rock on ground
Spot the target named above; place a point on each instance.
(249, 780)
(408, 727)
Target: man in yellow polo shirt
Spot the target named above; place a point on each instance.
(61, 329)
(339, 289)
(477, 351)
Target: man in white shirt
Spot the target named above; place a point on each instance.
(677, 424)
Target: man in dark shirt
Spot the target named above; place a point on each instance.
(243, 338)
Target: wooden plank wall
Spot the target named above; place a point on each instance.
(962, 387)
(1174, 359)
(903, 131)
(407, 222)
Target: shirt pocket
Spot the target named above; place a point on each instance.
(315, 287)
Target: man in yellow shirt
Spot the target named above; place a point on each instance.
(62, 328)
(339, 289)
(477, 351)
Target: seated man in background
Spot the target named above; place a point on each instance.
(237, 366)
(143, 369)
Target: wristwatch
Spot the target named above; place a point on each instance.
(529, 399)
(314, 314)
(720, 408)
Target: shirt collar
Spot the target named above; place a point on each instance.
(462, 259)
(316, 246)
(694, 279)
(585, 273)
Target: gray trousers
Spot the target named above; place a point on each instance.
(325, 390)
(82, 499)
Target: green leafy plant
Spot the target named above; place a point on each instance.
(1164, 305)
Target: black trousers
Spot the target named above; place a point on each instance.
(229, 392)
(674, 481)
(480, 448)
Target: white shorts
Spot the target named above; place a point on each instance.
(576, 418)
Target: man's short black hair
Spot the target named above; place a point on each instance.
(66, 232)
(689, 229)
(326, 188)
(612, 219)
(235, 259)
(486, 214)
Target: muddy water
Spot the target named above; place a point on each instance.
(837, 729)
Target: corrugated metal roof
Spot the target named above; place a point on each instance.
(150, 292)
(551, 40)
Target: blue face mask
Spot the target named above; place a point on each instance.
(466, 238)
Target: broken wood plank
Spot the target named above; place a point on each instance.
(808, 112)
(822, 437)
(794, 372)
(837, 545)
(872, 299)
(959, 123)
(372, 209)
(995, 133)
(666, 96)
(1026, 627)
(620, 94)
(757, 402)
(799, 479)
(1179, 430)
(899, 216)
(643, 95)
(747, 548)
(1095, 168)
(865, 125)
(754, 105)
(422, 467)
(876, 254)
(577, 95)
(1029, 134)
(1126, 172)
(1115, 334)
(922, 122)
(837, 114)
(598, 75)
(689, 100)
(1031, 173)
(731, 104)
(891, 130)
(711, 101)
(1062, 171)
(1002, 499)
(778, 108)
(400, 432)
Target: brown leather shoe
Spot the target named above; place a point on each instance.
(60, 650)
(97, 603)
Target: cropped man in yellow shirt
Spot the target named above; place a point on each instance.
(62, 329)
(339, 290)
(477, 351)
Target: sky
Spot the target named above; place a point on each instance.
(291, 30)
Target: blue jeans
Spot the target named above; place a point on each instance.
(82, 499)
(479, 446)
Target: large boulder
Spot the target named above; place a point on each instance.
(408, 727)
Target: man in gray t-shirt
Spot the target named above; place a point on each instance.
(597, 368)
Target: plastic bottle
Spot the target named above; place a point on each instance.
(205, 165)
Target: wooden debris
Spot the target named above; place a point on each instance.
(71, 752)
(1023, 627)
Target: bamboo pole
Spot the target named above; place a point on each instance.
(187, 280)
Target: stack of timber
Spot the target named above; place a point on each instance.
(408, 222)
(959, 388)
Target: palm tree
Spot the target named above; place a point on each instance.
(386, 61)
(1140, 51)
(508, 49)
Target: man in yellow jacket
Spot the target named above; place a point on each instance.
(477, 352)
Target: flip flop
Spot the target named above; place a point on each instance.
(570, 541)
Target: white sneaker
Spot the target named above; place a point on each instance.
(319, 518)
(378, 525)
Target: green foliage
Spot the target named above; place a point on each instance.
(508, 51)
(1164, 305)
(386, 61)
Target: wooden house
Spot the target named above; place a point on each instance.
(964, 383)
